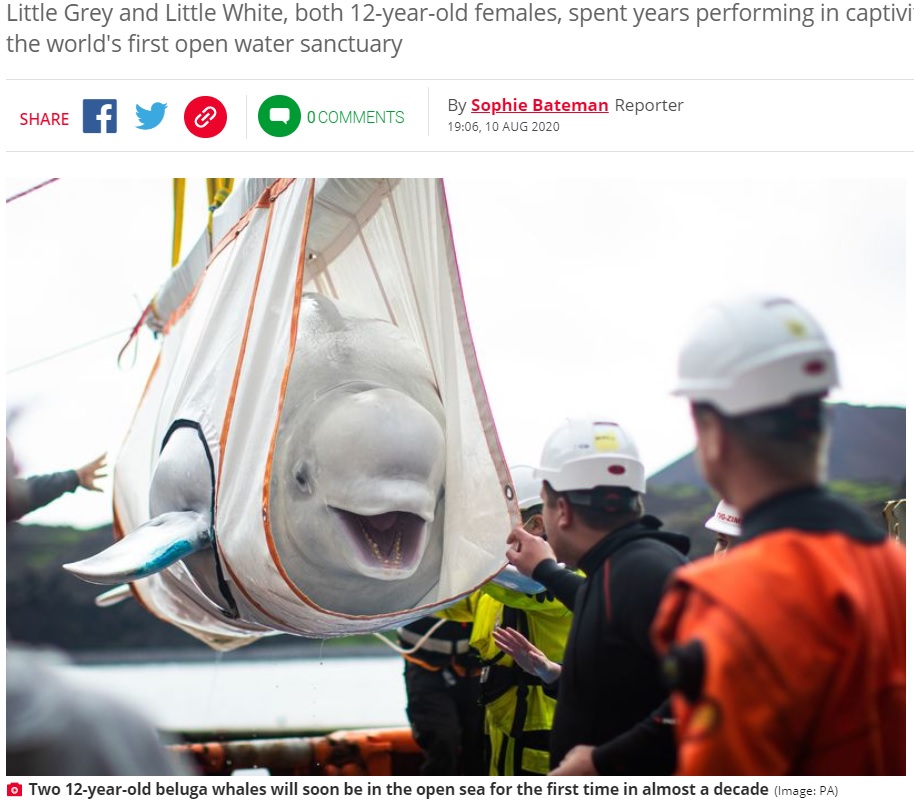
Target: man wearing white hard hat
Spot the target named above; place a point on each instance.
(610, 685)
(788, 657)
(725, 523)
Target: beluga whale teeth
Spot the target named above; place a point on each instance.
(389, 541)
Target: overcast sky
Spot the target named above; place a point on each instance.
(578, 294)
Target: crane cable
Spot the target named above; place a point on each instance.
(31, 190)
(66, 351)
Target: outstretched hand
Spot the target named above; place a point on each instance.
(92, 471)
(525, 551)
(577, 762)
(529, 658)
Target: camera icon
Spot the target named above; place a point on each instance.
(14, 789)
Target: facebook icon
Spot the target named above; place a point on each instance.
(99, 116)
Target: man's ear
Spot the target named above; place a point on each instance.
(716, 439)
(565, 513)
(713, 442)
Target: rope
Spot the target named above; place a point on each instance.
(66, 351)
(30, 190)
(417, 646)
(133, 333)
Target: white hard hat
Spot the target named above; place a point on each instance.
(583, 454)
(755, 353)
(526, 486)
(725, 519)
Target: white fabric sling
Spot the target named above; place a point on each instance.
(381, 246)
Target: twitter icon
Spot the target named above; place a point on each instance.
(151, 117)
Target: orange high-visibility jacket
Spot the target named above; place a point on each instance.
(788, 655)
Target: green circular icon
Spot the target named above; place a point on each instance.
(279, 115)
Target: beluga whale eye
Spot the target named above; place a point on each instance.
(301, 477)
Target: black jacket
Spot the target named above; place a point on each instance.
(610, 680)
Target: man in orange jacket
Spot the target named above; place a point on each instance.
(789, 656)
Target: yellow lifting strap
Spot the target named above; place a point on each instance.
(217, 190)
(178, 191)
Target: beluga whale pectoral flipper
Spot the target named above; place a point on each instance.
(181, 526)
(115, 595)
(152, 547)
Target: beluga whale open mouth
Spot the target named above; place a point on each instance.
(391, 542)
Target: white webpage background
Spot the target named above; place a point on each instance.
(762, 103)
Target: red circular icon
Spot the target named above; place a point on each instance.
(205, 116)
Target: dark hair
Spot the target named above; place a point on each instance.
(787, 439)
(604, 508)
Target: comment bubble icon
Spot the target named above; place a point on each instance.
(279, 116)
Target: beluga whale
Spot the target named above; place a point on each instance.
(357, 483)
(313, 453)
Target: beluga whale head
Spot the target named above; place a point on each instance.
(357, 482)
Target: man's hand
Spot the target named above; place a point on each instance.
(525, 550)
(577, 762)
(91, 472)
(529, 658)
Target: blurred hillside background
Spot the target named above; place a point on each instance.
(46, 605)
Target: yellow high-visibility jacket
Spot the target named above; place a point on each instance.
(519, 708)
